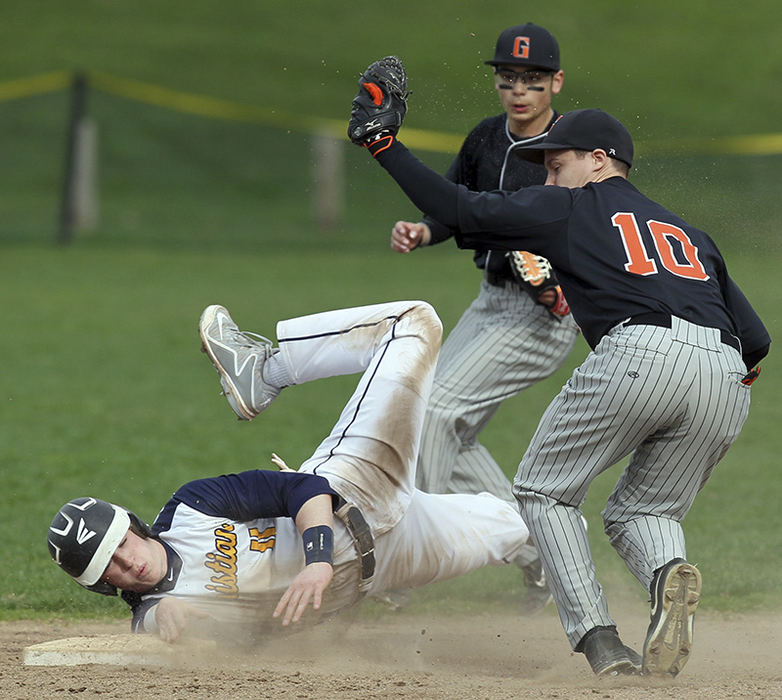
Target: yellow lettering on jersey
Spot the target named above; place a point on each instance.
(260, 541)
(223, 563)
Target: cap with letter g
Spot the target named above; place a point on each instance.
(526, 45)
(584, 130)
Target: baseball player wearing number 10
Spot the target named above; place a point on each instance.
(675, 346)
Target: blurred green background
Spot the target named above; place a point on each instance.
(104, 391)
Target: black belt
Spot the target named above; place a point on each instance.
(657, 318)
(497, 279)
(363, 541)
(499, 274)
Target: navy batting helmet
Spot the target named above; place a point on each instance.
(84, 535)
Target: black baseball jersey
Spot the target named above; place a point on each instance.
(484, 163)
(617, 253)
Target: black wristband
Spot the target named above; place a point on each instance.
(379, 144)
(318, 544)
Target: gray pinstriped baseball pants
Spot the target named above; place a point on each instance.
(503, 343)
(671, 397)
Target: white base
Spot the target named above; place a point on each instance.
(118, 649)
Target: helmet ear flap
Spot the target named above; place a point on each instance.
(102, 587)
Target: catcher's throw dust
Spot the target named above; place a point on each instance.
(518, 330)
(674, 342)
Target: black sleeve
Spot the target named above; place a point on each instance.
(755, 340)
(751, 359)
(524, 219)
(429, 191)
(440, 232)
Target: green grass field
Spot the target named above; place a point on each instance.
(104, 391)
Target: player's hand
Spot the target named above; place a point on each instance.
(172, 616)
(280, 463)
(310, 583)
(405, 236)
(535, 276)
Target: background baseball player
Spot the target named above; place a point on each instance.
(516, 332)
(674, 348)
(230, 547)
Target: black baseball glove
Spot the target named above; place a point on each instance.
(381, 103)
(536, 277)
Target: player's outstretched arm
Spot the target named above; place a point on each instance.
(406, 236)
(315, 521)
(173, 615)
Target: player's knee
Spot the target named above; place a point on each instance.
(427, 322)
(614, 530)
(610, 529)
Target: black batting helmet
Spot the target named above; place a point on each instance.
(84, 535)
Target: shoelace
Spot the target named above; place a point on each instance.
(254, 337)
(248, 339)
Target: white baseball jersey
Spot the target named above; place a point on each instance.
(231, 542)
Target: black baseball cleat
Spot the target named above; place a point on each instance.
(607, 655)
(676, 590)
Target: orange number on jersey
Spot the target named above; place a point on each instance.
(638, 260)
(662, 233)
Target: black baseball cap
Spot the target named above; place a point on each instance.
(526, 45)
(584, 130)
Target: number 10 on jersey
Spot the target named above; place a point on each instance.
(664, 236)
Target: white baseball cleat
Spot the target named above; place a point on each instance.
(676, 590)
(239, 358)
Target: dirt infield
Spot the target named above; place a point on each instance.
(406, 656)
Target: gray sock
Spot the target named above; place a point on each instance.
(275, 371)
